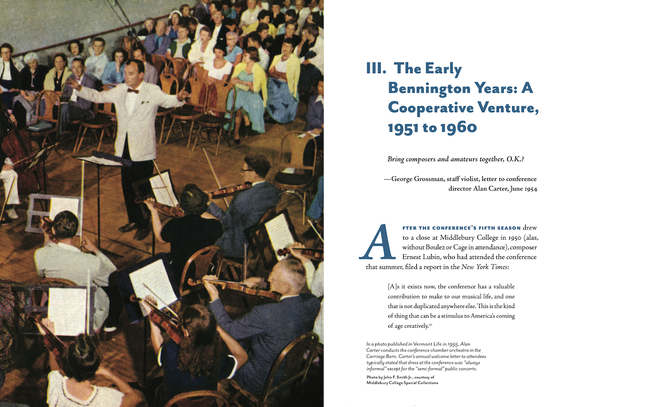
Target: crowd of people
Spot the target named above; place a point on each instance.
(274, 58)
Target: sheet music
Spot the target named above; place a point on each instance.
(155, 277)
(67, 309)
(163, 192)
(102, 161)
(279, 234)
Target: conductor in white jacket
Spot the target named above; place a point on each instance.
(136, 103)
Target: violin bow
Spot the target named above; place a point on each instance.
(245, 261)
(316, 231)
(161, 300)
(169, 192)
(214, 174)
(4, 205)
(82, 200)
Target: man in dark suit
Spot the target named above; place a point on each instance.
(136, 103)
(270, 327)
(158, 43)
(77, 108)
(247, 208)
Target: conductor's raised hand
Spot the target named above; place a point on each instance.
(181, 96)
(74, 84)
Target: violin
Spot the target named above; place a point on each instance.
(48, 228)
(229, 191)
(173, 211)
(313, 254)
(51, 341)
(170, 323)
(242, 289)
(16, 145)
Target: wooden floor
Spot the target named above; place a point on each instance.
(123, 352)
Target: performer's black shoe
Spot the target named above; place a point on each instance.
(141, 234)
(128, 227)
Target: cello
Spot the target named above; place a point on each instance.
(16, 145)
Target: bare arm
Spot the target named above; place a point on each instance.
(132, 397)
(155, 220)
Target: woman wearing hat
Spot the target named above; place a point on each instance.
(173, 25)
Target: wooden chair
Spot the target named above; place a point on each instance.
(104, 119)
(179, 67)
(297, 358)
(49, 112)
(193, 109)
(206, 261)
(129, 44)
(293, 175)
(197, 70)
(260, 243)
(170, 85)
(160, 63)
(199, 398)
(216, 108)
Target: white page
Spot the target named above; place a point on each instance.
(279, 234)
(163, 191)
(153, 276)
(60, 204)
(66, 308)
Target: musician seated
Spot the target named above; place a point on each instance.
(81, 363)
(8, 176)
(76, 107)
(314, 282)
(189, 233)
(61, 258)
(269, 327)
(246, 208)
(203, 355)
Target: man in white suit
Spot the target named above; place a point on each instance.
(136, 103)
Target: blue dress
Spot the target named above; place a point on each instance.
(231, 57)
(249, 101)
(282, 107)
(110, 75)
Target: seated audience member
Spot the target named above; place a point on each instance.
(270, 327)
(231, 25)
(157, 43)
(227, 9)
(312, 66)
(194, 28)
(76, 50)
(76, 108)
(250, 84)
(290, 32)
(314, 123)
(70, 384)
(286, 6)
(56, 77)
(185, 11)
(289, 16)
(254, 41)
(218, 69)
(206, 355)
(188, 234)
(63, 259)
(180, 47)
(315, 18)
(234, 52)
(278, 14)
(150, 71)
(218, 30)
(173, 25)
(148, 29)
(303, 12)
(283, 85)
(203, 12)
(263, 18)
(30, 84)
(202, 49)
(8, 176)
(264, 32)
(250, 15)
(97, 60)
(114, 71)
(247, 208)
(9, 78)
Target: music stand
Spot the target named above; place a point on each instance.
(41, 155)
(108, 160)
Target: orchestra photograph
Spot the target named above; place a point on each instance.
(161, 233)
